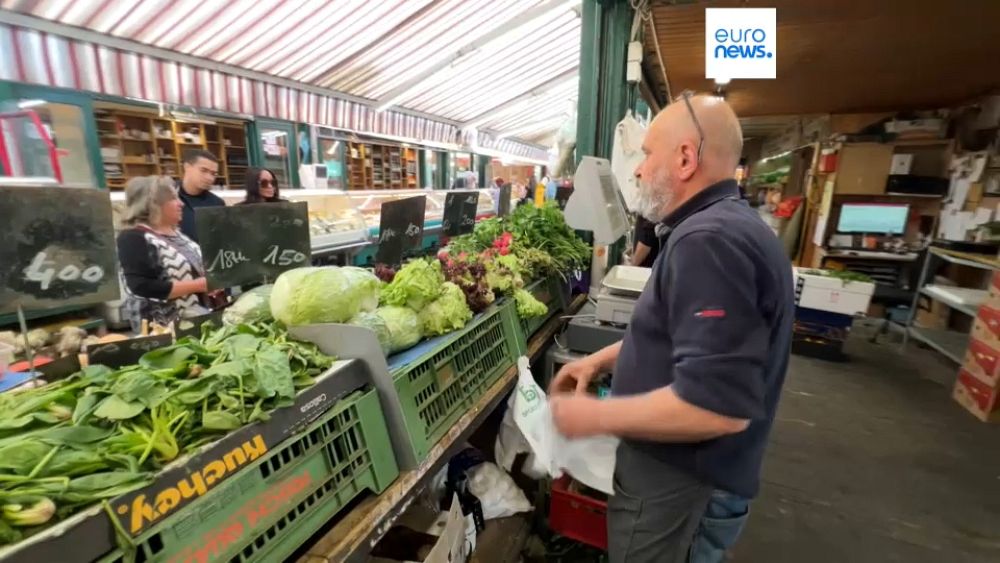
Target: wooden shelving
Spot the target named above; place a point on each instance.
(136, 143)
(380, 167)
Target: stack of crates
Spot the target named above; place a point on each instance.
(441, 385)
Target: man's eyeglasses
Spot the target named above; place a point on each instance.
(686, 96)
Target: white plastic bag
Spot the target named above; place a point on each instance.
(497, 493)
(626, 156)
(590, 461)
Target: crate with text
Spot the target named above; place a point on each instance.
(987, 326)
(982, 361)
(977, 397)
(331, 442)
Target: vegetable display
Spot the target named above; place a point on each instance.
(403, 326)
(101, 433)
(539, 236)
(415, 285)
(447, 313)
(376, 324)
(327, 294)
(253, 306)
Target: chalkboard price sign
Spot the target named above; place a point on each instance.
(58, 248)
(249, 244)
(503, 208)
(126, 352)
(192, 326)
(459, 213)
(400, 229)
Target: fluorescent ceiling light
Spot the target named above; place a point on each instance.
(25, 104)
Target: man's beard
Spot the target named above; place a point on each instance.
(654, 197)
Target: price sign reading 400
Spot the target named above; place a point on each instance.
(58, 248)
(252, 243)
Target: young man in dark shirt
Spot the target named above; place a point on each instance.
(647, 244)
(200, 169)
(698, 374)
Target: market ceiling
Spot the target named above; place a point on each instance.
(838, 56)
(508, 66)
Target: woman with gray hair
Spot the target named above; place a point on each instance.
(162, 268)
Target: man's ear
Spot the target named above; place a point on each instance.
(688, 161)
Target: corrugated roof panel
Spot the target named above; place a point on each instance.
(487, 80)
(364, 48)
(437, 38)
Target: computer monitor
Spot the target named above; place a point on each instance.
(874, 218)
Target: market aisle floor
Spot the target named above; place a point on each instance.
(872, 461)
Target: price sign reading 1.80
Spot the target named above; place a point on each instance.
(58, 250)
(253, 243)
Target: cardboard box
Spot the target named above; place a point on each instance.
(977, 397)
(931, 313)
(450, 546)
(830, 294)
(987, 326)
(982, 361)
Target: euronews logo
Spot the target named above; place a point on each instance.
(740, 43)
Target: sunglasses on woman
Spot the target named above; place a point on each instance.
(266, 183)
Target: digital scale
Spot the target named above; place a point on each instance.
(597, 205)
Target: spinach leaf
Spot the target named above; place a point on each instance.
(220, 420)
(135, 386)
(22, 457)
(70, 462)
(85, 407)
(75, 435)
(240, 346)
(15, 423)
(115, 408)
(174, 358)
(274, 376)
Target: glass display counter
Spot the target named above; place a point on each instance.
(333, 219)
(369, 204)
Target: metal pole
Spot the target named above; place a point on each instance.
(916, 297)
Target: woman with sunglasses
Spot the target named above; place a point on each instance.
(261, 187)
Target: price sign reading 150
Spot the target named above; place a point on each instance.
(275, 256)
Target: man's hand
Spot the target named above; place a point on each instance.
(574, 376)
(577, 415)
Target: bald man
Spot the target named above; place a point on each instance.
(698, 374)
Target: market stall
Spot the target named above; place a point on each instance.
(232, 429)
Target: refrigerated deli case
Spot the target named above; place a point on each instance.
(346, 222)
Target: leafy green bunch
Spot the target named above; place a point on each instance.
(101, 432)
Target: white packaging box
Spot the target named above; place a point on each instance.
(901, 164)
(825, 293)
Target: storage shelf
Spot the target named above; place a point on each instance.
(961, 259)
(949, 342)
(946, 294)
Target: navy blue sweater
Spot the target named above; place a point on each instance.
(715, 324)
